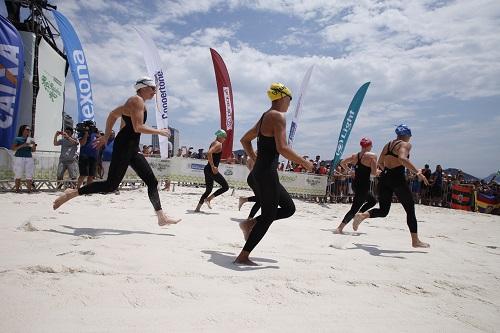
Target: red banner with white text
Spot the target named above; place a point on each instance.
(225, 102)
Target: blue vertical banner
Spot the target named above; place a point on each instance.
(348, 124)
(11, 77)
(78, 66)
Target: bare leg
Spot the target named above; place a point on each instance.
(241, 201)
(164, 219)
(207, 201)
(66, 196)
(358, 218)
(80, 181)
(17, 188)
(243, 259)
(340, 228)
(416, 242)
(247, 227)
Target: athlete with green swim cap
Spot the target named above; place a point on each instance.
(211, 171)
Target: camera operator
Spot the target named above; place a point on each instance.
(87, 162)
(68, 158)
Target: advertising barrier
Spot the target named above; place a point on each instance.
(177, 169)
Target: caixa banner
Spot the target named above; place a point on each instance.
(11, 77)
(78, 66)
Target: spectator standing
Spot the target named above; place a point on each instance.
(425, 189)
(107, 153)
(437, 186)
(24, 145)
(87, 162)
(68, 159)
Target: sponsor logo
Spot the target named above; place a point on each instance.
(83, 82)
(9, 69)
(228, 172)
(229, 108)
(344, 133)
(196, 166)
(313, 181)
(52, 86)
(293, 129)
(161, 95)
(287, 179)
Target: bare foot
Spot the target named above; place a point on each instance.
(197, 210)
(241, 201)
(420, 244)
(66, 196)
(247, 227)
(338, 231)
(358, 218)
(208, 203)
(246, 262)
(164, 219)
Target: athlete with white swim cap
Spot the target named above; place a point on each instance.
(126, 150)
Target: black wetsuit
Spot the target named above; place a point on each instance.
(361, 185)
(125, 153)
(268, 189)
(394, 181)
(256, 205)
(210, 178)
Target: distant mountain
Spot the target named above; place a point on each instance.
(490, 177)
(453, 172)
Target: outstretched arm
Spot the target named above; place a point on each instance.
(279, 131)
(246, 142)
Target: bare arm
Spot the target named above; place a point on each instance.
(403, 153)
(246, 142)
(56, 142)
(279, 131)
(350, 160)
(136, 106)
(373, 165)
(381, 158)
(19, 146)
(216, 147)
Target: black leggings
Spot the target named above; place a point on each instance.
(393, 181)
(271, 194)
(362, 199)
(126, 153)
(209, 181)
(256, 205)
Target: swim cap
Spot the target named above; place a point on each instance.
(277, 91)
(403, 130)
(144, 82)
(221, 133)
(365, 142)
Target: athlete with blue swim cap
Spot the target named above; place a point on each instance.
(393, 160)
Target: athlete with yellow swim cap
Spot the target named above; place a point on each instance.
(211, 170)
(270, 132)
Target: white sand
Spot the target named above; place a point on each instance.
(101, 264)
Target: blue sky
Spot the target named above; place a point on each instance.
(434, 65)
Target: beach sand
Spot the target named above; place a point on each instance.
(101, 264)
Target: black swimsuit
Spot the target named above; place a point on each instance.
(394, 181)
(210, 178)
(363, 199)
(125, 153)
(268, 190)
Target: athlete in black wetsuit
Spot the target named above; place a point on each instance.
(211, 171)
(126, 150)
(393, 160)
(365, 164)
(270, 131)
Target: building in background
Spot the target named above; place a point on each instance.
(174, 140)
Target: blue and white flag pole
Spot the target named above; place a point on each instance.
(298, 107)
(78, 66)
(155, 69)
(348, 124)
